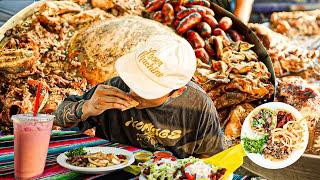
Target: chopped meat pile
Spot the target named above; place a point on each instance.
(235, 120)
(296, 91)
(277, 150)
(286, 57)
(296, 23)
(235, 75)
(305, 97)
(35, 51)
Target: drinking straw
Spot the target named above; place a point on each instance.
(36, 105)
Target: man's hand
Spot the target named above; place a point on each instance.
(243, 10)
(104, 97)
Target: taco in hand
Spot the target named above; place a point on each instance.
(132, 103)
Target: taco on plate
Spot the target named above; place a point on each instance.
(263, 120)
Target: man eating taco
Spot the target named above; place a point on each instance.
(171, 112)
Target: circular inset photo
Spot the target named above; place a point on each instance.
(274, 135)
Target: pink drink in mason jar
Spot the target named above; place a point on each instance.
(31, 142)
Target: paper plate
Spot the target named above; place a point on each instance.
(259, 159)
(61, 159)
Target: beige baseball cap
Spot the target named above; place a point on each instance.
(163, 64)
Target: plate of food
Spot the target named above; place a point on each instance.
(187, 168)
(274, 135)
(95, 160)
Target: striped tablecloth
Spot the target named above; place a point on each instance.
(60, 142)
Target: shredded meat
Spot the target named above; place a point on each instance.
(36, 50)
(286, 54)
(296, 23)
(235, 75)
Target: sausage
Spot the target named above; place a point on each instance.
(202, 55)
(146, 2)
(202, 12)
(188, 22)
(220, 32)
(204, 3)
(184, 13)
(225, 23)
(187, 11)
(179, 8)
(168, 13)
(207, 10)
(175, 23)
(195, 39)
(235, 36)
(175, 2)
(204, 29)
(209, 48)
(155, 5)
(211, 21)
(157, 16)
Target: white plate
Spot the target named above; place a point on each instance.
(260, 159)
(61, 159)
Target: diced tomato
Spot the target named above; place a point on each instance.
(189, 177)
(214, 177)
(188, 164)
(157, 159)
(172, 158)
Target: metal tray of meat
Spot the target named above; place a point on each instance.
(250, 37)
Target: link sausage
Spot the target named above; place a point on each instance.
(202, 55)
(204, 29)
(188, 22)
(184, 13)
(220, 32)
(207, 10)
(211, 21)
(175, 23)
(146, 2)
(168, 14)
(195, 39)
(235, 36)
(179, 8)
(155, 5)
(204, 3)
(157, 16)
(225, 23)
(175, 2)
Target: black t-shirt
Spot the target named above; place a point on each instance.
(186, 125)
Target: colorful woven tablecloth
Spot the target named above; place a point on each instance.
(60, 142)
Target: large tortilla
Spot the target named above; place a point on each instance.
(99, 45)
